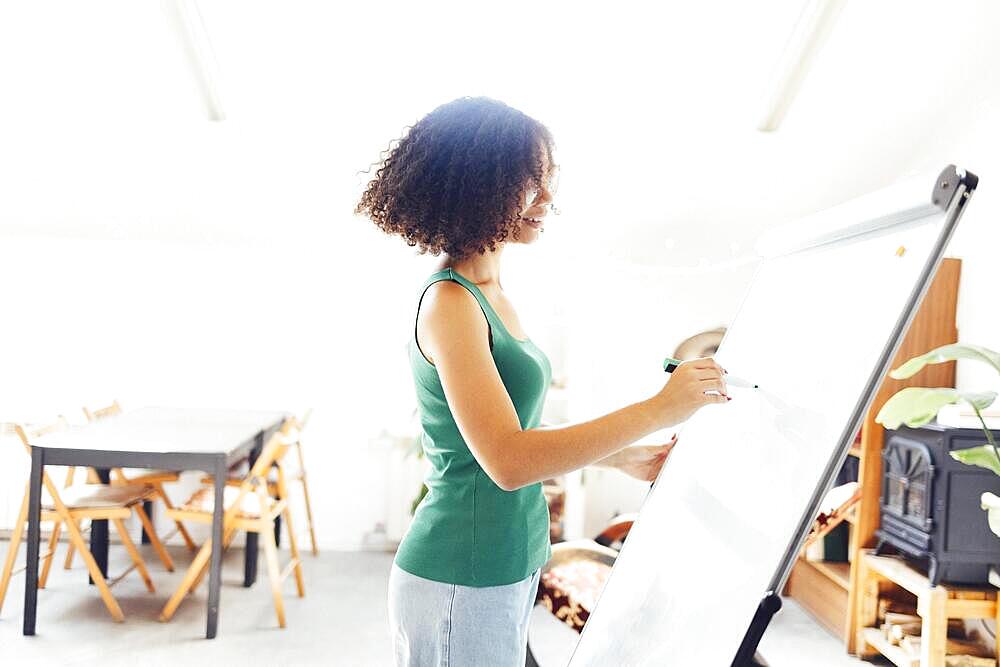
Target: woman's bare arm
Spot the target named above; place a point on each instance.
(454, 334)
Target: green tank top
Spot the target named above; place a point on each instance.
(467, 530)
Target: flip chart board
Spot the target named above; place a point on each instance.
(817, 331)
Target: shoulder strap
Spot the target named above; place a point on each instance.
(451, 276)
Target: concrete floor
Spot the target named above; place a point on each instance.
(341, 621)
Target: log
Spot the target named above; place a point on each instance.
(968, 661)
(955, 648)
(895, 632)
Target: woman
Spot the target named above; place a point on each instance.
(470, 177)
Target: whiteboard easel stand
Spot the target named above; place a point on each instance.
(951, 193)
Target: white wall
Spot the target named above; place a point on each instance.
(978, 146)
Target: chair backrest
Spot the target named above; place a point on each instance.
(101, 413)
(304, 419)
(29, 433)
(273, 451)
(256, 480)
(93, 416)
(300, 426)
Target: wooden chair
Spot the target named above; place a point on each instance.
(70, 507)
(299, 475)
(154, 478)
(296, 474)
(58, 425)
(248, 507)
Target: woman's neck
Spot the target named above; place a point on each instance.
(481, 269)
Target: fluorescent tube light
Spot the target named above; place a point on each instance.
(193, 37)
(811, 31)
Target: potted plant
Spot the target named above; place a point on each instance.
(916, 406)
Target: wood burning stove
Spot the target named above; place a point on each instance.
(930, 504)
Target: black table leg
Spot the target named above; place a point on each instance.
(215, 565)
(277, 526)
(99, 533)
(147, 507)
(250, 563)
(277, 530)
(34, 536)
(250, 552)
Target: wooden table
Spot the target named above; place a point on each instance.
(163, 438)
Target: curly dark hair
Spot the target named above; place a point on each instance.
(456, 180)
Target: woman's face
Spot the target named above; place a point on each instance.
(536, 207)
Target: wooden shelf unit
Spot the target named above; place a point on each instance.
(821, 587)
(825, 596)
(935, 605)
(839, 573)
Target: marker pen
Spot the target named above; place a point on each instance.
(670, 365)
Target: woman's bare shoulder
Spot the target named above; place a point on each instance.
(449, 309)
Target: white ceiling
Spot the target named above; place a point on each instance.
(653, 106)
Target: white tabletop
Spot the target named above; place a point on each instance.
(165, 430)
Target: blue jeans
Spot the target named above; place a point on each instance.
(435, 624)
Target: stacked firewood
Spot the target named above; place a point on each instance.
(903, 629)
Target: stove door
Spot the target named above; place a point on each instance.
(907, 476)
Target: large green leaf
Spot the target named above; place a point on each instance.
(947, 353)
(916, 406)
(983, 456)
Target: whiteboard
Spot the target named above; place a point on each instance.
(724, 521)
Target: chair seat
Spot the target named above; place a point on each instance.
(148, 476)
(100, 496)
(241, 469)
(272, 484)
(203, 500)
(239, 472)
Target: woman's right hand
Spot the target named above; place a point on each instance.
(684, 393)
